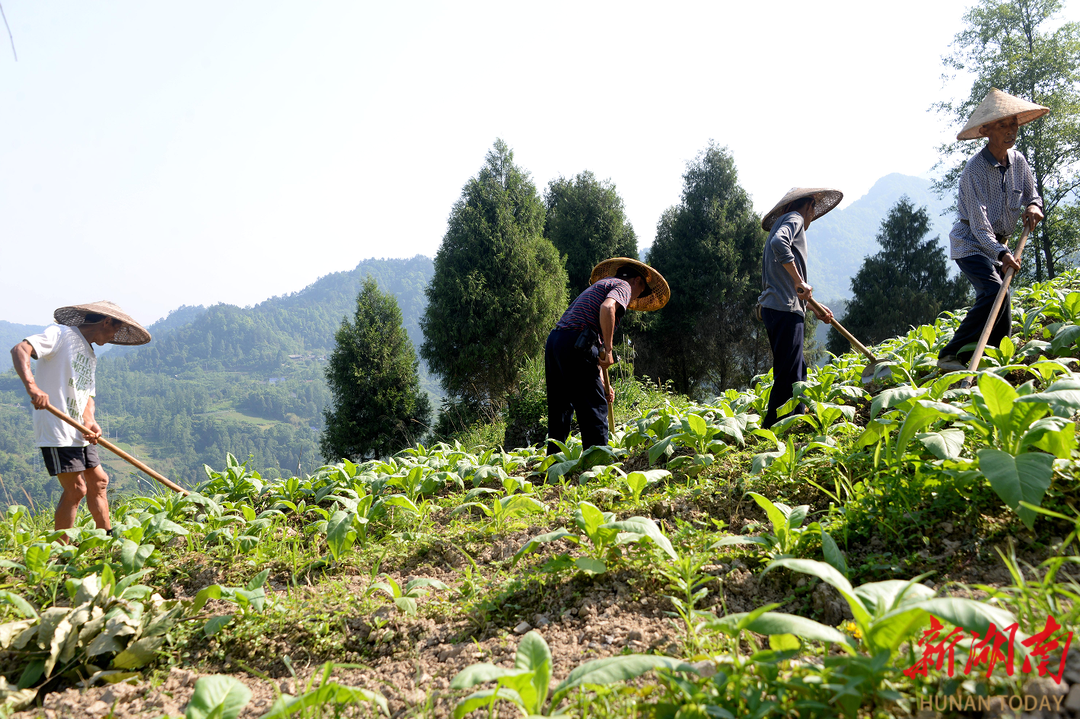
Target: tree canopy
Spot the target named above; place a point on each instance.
(499, 286)
(906, 284)
(586, 221)
(378, 406)
(1017, 46)
(709, 249)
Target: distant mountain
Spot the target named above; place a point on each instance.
(217, 379)
(840, 240)
(10, 335)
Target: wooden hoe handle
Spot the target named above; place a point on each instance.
(116, 450)
(610, 405)
(847, 335)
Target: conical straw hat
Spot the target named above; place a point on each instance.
(658, 294)
(825, 198)
(998, 105)
(132, 333)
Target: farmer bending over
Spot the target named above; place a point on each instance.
(65, 370)
(580, 346)
(996, 187)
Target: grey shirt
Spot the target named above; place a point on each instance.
(992, 198)
(786, 243)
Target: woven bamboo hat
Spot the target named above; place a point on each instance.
(653, 298)
(825, 198)
(998, 105)
(132, 333)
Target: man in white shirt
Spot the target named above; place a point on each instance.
(65, 371)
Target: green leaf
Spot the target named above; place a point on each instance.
(258, 580)
(589, 518)
(406, 604)
(217, 697)
(475, 674)
(771, 623)
(946, 444)
(421, 582)
(662, 448)
(832, 553)
(777, 518)
(485, 698)
(830, 575)
(921, 415)
(1055, 435)
(590, 565)
(534, 655)
(600, 672)
(697, 425)
(540, 539)
(999, 397)
(205, 594)
(21, 605)
(215, 624)
(971, 615)
(1065, 339)
(645, 527)
(339, 533)
(139, 654)
(1026, 478)
(732, 540)
(1063, 397)
(561, 469)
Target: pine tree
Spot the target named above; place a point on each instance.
(586, 221)
(378, 407)
(709, 249)
(498, 288)
(906, 284)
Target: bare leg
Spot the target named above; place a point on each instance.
(97, 501)
(74, 491)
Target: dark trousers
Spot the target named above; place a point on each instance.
(987, 280)
(574, 383)
(786, 331)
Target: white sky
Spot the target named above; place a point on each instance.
(160, 154)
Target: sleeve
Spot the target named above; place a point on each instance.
(46, 343)
(1030, 195)
(973, 208)
(783, 237)
(620, 292)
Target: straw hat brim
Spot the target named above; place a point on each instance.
(132, 333)
(825, 199)
(998, 105)
(656, 299)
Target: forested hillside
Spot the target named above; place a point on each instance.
(215, 380)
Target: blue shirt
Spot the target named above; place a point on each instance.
(786, 243)
(992, 198)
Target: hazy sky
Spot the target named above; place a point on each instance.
(161, 154)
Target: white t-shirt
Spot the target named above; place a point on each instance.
(65, 369)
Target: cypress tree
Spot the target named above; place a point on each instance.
(498, 289)
(586, 221)
(378, 406)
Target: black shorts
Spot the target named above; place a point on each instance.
(62, 460)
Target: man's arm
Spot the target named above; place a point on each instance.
(90, 423)
(803, 290)
(20, 357)
(607, 332)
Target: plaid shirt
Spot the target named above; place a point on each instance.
(992, 198)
